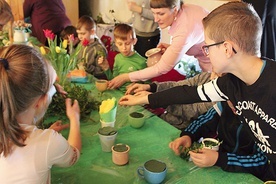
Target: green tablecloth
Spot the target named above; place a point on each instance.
(149, 142)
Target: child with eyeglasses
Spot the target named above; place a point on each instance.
(247, 82)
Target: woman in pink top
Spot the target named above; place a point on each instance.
(186, 30)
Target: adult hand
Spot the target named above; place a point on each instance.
(179, 144)
(163, 47)
(58, 126)
(118, 81)
(204, 158)
(132, 6)
(103, 63)
(130, 100)
(134, 88)
(72, 110)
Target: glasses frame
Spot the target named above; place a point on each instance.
(205, 48)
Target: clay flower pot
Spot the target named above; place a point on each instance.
(120, 154)
(101, 85)
(153, 56)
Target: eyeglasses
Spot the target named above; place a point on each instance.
(205, 48)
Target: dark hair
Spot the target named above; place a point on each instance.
(24, 78)
(69, 30)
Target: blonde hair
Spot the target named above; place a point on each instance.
(166, 4)
(87, 22)
(121, 31)
(237, 22)
(24, 76)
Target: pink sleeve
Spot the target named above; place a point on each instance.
(186, 32)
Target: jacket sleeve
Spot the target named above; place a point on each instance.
(176, 95)
(204, 126)
(256, 163)
(208, 92)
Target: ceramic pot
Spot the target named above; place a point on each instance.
(120, 154)
(136, 119)
(19, 36)
(211, 143)
(101, 85)
(153, 171)
(153, 56)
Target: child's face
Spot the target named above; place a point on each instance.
(126, 47)
(85, 34)
(217, 56)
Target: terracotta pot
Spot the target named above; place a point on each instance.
(101, 85)
(120, 154)
(153, 56)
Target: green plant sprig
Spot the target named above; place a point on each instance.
(195, 147)
(87, 102)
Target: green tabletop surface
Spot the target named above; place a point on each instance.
(149, 142)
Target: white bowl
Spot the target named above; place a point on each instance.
(212, 147)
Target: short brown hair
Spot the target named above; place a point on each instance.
(121, 31)
(87, 22)
(237, 22)
(165, 3)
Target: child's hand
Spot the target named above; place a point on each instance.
(61, 90)
(179, 144)
(72, 110)
(58, 126)
(135, 87)
(103, 63)
(130, 100)
(204, 158)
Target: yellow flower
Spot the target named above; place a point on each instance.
(64, 44)
(58, 49)
(107, 105)
(42, 50)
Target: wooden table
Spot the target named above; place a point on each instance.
(149, 142)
